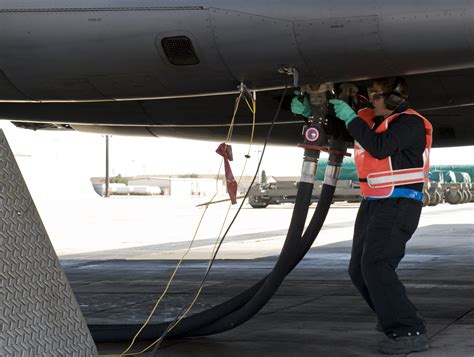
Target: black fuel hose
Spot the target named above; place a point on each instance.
(242, 307)
(293, 251)
(290, 256)
(295, 230)
(109, 333)
(273, 281)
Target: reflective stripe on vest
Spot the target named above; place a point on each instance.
(377, 178)
(396, 177)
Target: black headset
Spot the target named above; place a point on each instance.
(394, 98)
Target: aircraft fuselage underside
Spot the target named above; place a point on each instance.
(157, 55)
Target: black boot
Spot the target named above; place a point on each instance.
(379, 327)
(404, 344)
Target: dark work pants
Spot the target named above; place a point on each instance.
(381, 231)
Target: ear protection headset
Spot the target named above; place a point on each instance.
(394, 98)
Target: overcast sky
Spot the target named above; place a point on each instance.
(83, 155)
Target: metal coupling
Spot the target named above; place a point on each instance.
(331, 175)
(308, 171)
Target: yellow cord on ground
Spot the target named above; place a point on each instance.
(254, 112)
(198, 293)
(253, 109)
(229, 136)
(168, 284)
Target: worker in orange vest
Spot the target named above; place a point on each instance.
(391, 149)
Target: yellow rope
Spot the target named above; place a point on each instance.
(253, 109)
(198, 293)
(223, 224)
(169, 281)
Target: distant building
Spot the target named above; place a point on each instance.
(181, 186)
(164, 183)
(114, 188)
(201, 185)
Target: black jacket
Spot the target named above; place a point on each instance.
(404, 141)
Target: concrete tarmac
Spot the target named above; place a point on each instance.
(316, 312)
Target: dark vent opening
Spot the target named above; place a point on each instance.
(180, 51)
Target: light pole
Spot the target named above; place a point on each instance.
(106, 166)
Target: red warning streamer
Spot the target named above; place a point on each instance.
(226, 152)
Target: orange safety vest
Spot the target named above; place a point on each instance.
(377, 178)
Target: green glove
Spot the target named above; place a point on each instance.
(301, 107)
(343, 111)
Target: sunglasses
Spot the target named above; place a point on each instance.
(375, 95)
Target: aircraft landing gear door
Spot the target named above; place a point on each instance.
(348, 46)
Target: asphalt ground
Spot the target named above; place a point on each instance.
(316, 311)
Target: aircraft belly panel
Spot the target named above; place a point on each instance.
(340, 49)
(96, 55)
(458, 86)
(99, 5)
(452, 127)
(255, 47)
(441, 89)
(469, 24)
(60, 88)
(427, 41)
(210, 75)
(8, 91)
(64, 49)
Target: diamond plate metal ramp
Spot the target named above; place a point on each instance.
(39, 315)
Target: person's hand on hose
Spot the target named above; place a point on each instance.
(343, 111)
(301, 105)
